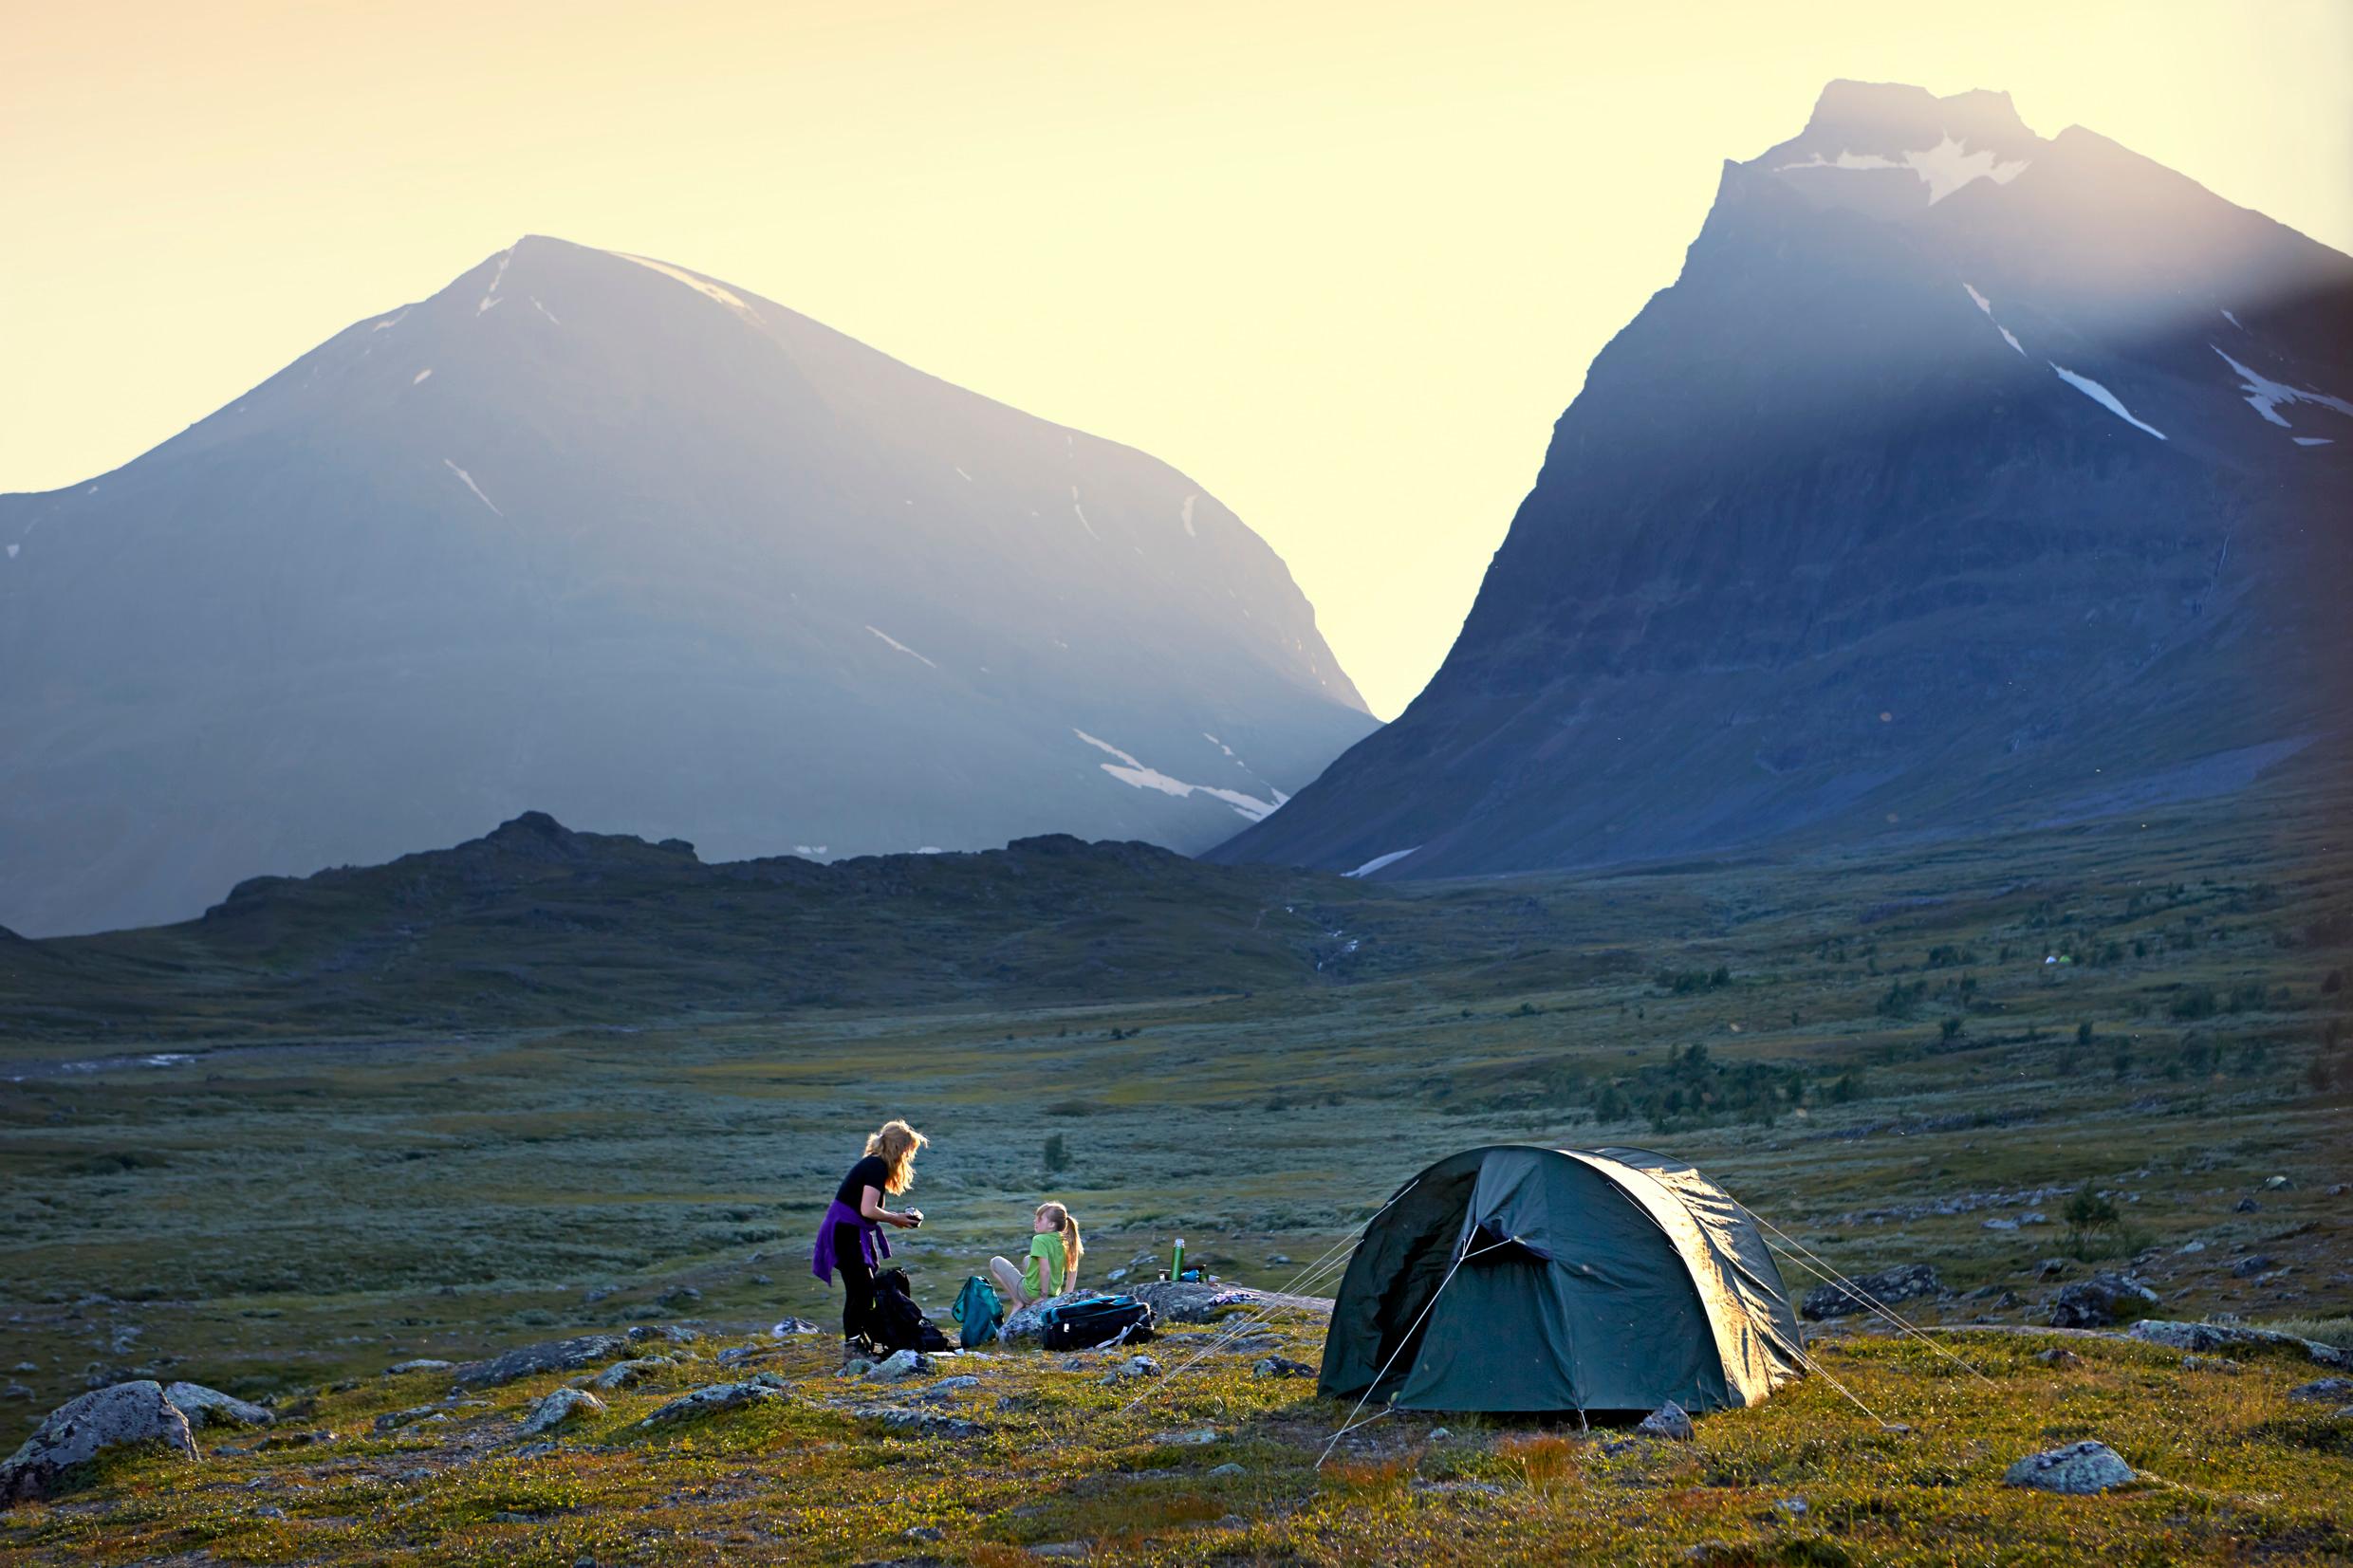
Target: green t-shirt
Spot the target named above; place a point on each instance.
(1045, 1249)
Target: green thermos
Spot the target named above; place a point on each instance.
(1176, 1260)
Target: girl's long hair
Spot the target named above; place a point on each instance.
(1072, 1249)
(896, 1143)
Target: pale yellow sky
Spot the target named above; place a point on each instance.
(1343, 262)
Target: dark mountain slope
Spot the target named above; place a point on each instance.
(1935, 491)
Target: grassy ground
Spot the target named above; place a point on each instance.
(1886, 1061)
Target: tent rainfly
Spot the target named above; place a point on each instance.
(1514, 1278)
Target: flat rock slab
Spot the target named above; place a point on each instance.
(710, 1401)
(1901, 1284)
(2078, 1470)
(2208, 1337)
(205, 1407)
(547, 1356)
(127, 1415)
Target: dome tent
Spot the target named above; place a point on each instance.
(1516, 1277)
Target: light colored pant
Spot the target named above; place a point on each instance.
(1008, 1277)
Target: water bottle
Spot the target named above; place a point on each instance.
(1176, 1260)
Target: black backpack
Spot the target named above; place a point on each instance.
(1089, 1320)
(897, 1322)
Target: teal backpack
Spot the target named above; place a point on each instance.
(977, 1309)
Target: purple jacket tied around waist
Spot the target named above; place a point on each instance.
(870, 1242)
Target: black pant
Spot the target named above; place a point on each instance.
(856, 1280)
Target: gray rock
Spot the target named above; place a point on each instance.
(2209, 1337)
(2050, 1268)
(1669, 1420)
(422, 1363)
(2078, 1469)
(127, 1415)
(2058, 1355)
(921, 1423)
(1280, 1366)
(1061, 1549)
(548, 1356)
(787, 1327)
(2001, 1224)
(1132, 1368)
(2245, 1205)
(395, 1420)
(1901, 1284)
(2189, 1247)
(1200, 1437)
(926, 1531)
(2033, 1216)
(2334, 1390)
(710, 1401)
(670, 1333)
(205, 1407)
(561, 1405)
(621, 1374)
(2247, 1268)
(1794, 1508)
(899, 1365)
(2097, 1302)
(736, 1355)
(947, 1388)
(1226, 1470)
(1193, 1301)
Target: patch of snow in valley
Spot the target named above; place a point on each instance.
(966, 477)
(418, 378)
(1944, 168)
(2011, 337)
(2106, 398)
(544, 310)
(1136, 775)
(1987, 305)
(472, 486)
(2232, 319)
(1379, 861)
(901, 646)
(1187, 515)
(1983, 304)
(808, 849)
(1082, 511)
(2265, 396)
(2301, 440)
(701, 286)
(12, 552)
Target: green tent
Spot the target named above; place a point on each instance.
(1514, 1278)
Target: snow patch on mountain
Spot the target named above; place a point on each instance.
(418, 379)
(2265, 396)
(1137, 775)
(490, 296)
(472, 486)
(1187, 515)
(901, 646)
(1379, 861)
(2106, 398)
(544, 310)
(1082, 511)
(1987, 305)
(1944, 168)
(2301, 440)
(700, 286)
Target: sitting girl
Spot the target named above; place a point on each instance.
(1052, 1265)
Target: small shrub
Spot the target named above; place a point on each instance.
(1057, 1155)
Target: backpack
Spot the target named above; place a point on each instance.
(897, 1322)
(977, 1308)
(1084, 1323)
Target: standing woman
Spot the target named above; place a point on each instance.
(850, 1235)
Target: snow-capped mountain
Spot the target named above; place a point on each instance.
(598, 535)
(1963, 475)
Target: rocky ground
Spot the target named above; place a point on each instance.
(657, 1443)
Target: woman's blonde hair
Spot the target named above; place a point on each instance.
(1059, 1217)
(896, 1143)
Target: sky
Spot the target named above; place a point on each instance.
(1343, 262)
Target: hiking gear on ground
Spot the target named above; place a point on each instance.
(898, 1323)
(1515, 1277)
(824, 1256)
(1082, 1322)
(980, 1312)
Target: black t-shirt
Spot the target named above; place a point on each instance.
(875, 1171)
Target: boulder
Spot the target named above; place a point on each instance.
(422, 1363)
(1192, 1301)
(710, 1401)
(621, 1374)
(947, 1388)
(395, 1420)
(2247, 1268)
(2058, 1355)
(1280, 1366)
(1669, 1420)
(1901, 1283)
(205, 1407)
(2078, 1469)
(668, 1333)
(2208, 1337)
(900, 1364)
(547, 1356)
(561, 1405)
(2333, 1391)
(789, 1326)
(923, 1422)
(2097, 1302)
(127, 1415)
